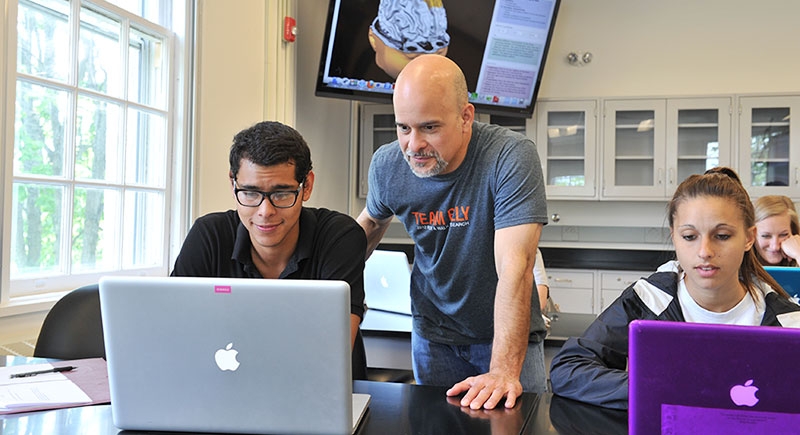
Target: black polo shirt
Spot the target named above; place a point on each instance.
(331, 245)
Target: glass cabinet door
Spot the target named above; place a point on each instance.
(377, 128)
(566, 138)
(634, 157)
(769, 147)
(698, 137)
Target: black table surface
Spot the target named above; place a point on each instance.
(395, 409)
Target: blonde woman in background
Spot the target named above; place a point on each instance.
(777, 238)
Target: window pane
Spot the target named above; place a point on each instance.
(39, 130)
(146, 156)
(143, 230)
(146, 70)
(98, 139)
(95, 244)
(100, 65)
(89, 156)
(42, 48)
(148, 9)
(36, 237)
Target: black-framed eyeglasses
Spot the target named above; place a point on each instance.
(278, 198)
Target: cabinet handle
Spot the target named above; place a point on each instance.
(796, 175)
(660, 180)
(671, 179)
(562, 280)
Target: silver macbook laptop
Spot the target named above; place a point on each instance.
(387, 282)
(229, 355)
(704, 379)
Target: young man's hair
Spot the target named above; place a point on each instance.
(271, 143)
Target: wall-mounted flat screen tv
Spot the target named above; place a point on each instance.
(501, 45)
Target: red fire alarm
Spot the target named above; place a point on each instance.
(289, 29)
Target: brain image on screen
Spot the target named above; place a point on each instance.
(405, 29)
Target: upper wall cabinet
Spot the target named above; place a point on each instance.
(641, 149)
(566, 140)
(650, 146)
(769, 145)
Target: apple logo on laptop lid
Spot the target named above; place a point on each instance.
(226, 358)
(744, 395)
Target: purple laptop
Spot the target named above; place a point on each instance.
(709, 379)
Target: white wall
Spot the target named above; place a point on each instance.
(230, 92)
(675, 47)
(324, 122)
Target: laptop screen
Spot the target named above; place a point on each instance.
(387, 282)
(788, 278)
(701, 378)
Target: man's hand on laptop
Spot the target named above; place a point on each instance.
(486, 390)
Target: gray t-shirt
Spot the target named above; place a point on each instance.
(452, 219)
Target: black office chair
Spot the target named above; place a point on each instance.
(73, 329)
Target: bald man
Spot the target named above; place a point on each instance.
(471, 196)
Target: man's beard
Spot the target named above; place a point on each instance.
(437, 169)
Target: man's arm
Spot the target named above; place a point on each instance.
(374, 228)
(515, 254)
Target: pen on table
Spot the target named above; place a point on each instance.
(41, 372)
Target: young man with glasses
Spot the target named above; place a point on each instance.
(271, 234)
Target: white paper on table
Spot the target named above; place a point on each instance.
(43, 389)
(41, 393)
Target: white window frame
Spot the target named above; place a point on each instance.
(29, 295)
